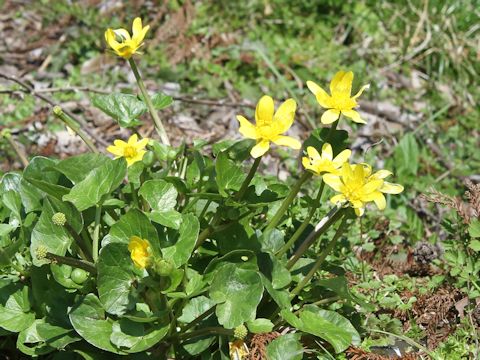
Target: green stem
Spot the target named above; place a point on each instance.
(82, 264)
(96, 233)
(21, 154)
(72, 124)
(305, 223)
(248, 179)
(208, 230)
(198, 319)
(156, 119)
(205, 208)
(319, 230)
(332, 130)
(214, 330)
(321, 258)
(287, 201)
(134, 196)
(83, 244)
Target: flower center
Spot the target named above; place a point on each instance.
(129, 151)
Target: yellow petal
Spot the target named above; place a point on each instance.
(362, 89)
(322, 97)
(284, 115)
(382, 174)
(341, 83)
(120, 143)
(264, 111)
(137, 26)
(354, 115)
(327, 152)
(132, 140)
(115, 150)
(347, 172)
(110, 39)
(342, 157)
(330, 116)
(123, 34)
(287, 141)
(142, 143)
(247, 129)
(390, 188)
(333, 181)
(307, 164)
(359, 211)
(313, 153)
(339, 198)
(372, 186)
(260, 149)
(379, 200)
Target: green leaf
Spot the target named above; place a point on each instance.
(169, 218)
(161, 101)
(237, 293)
(41, 173)
(229, 176)
(474, 245)
(326, 324)
(195, 307)
(281, 297)
(137, 337)
(76, 168)
(55, 239)
(99, 182)
(180, 252)
(285, 347)
(406, 155)
(116, 274)
(474, 228)
(259, 326)
(124, 108)
(30, 335)
(133, 223)
(88, 320)
(31, 197)
(15, 313)
(160, 195)
(55, 335)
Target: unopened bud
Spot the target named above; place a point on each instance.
(41, 252)
(59, 219)
(240, 332)
(163, 267)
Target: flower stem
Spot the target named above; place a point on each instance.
(248, 179)
(320, 229)
(214, 330)
(156, 119)
(322, 256)
(287, 201)
(21, 154)
(304, 225)
(82, 264)
(96, 233)
(199, 318)
(72, 124)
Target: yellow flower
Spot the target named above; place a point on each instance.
(128, 45)
(139, 251)
(269, 127)
(132, 151)
(340, 100)
(324, 163)
(358, 186)
(238, 350)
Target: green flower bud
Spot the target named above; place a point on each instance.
(163, 267)
(240, 332)
(59, 219)
(148, 158)
(79, 276)
(41, 252)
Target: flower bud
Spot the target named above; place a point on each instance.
(59, 219)
(240, 332)
(163, 267)
(41, 252)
